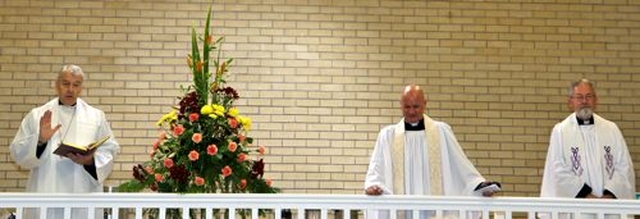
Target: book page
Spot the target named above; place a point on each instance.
(98, 143)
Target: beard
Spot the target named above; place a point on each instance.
(584, 113)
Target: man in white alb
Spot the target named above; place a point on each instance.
(587, 156)
(65, 119)
(420, 156)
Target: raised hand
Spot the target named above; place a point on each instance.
(45, 127)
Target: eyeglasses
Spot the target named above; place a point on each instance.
(587, 97)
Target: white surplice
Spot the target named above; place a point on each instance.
(458, 175)
(595, 155)
(51, 173)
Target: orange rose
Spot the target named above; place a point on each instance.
(196, 137)
(242, 184)
(194, 155)
(168, 163)
(233, 123)
(212, 149)
(241, 157)
(233, 146)
(194, 117)
(178, 130)
(226, 171)
(148, 169)
(158, 177)
(156, 144)
(261, 149)
(198, 181)
(241, 138)
(268, 181)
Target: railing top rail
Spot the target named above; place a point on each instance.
(312, 201)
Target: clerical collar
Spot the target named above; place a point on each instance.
(62, 104)
(589, 121)
(419, 126)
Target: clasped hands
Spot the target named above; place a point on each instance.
(46, 131)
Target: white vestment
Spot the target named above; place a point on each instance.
(51, 173)
(595, 155)
(457, 175)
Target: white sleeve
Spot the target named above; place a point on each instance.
(558, 179)
(106, 154)
(465, 177)
(622, 183)
(24, 145)
(376, 172)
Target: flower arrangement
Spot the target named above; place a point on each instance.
(203, 146)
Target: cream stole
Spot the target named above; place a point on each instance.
(434, 154)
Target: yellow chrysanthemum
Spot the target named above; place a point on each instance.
(245, 122)
(206, 109)
(169, 117)
(212, 110)
(218, 109)
(234, 112)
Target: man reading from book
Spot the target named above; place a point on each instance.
(65, 119)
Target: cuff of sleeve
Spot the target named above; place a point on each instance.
(91, 169)
(40, 149)
(607, 192)
(586, 190)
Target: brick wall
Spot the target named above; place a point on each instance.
(320, 78)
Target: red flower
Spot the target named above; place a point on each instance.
(233, 123)
(241, 138)
(198, 181)
(242, 184)
(168, 163)
(226, 171)
(212, 149)
(178, 130)
(196, 137)
(242, 157)
(194, 155)
(148, 169)
(194, 117)
(233, 146)
(158, 177)
(156, 144)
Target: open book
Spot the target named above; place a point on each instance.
(66, 148)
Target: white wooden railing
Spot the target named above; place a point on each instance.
(316, 206)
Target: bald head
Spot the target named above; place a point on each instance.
(413, 103)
